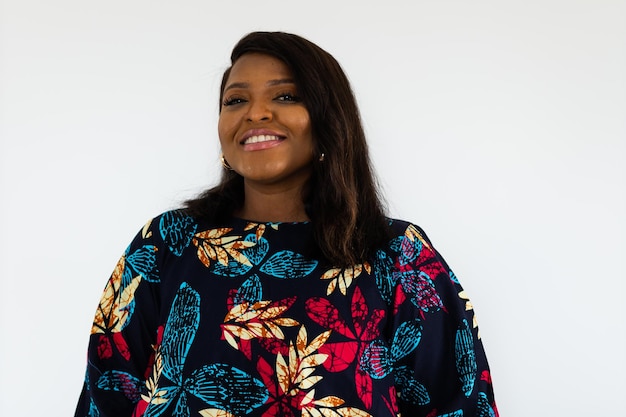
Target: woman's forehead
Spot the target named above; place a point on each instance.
(257, 67)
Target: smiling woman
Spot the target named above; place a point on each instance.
(284, 290)
(266, 137)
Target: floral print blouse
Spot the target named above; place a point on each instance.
(237, 319)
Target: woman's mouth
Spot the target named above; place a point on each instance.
(259, 139)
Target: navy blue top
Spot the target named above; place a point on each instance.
(240, 319)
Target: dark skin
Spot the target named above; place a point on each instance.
(265, 133)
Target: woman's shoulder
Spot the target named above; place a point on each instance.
(172, 228)
(175, 215)
(404, 228)
(180, 220)
(405, 233)
(174, 219)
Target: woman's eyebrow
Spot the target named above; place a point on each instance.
(280, 81)
(236, 85)
(269, 83)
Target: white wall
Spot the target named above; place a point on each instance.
(499, 126)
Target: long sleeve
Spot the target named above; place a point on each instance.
(441, 368)
(124, 332)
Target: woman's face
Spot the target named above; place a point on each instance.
(264, 128)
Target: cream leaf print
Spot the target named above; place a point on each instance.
(330, 401)
(154, 395)
(258, 320)
(145, 231)
(296, 375)
(260, 229)
(113, 311)
(214, 246)
(343, 277)
(328, 407)
(251, 226)
(469, 307)
(412, 233)
(215, 412)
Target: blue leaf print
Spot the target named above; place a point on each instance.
(254, 254)
(454, 279)
(406, 339)
(182, 409)
(227, 388)
(410, 250)
(396, 244)
(383, 268)
(288, 265)
(127, 278)
(232, 270)
(93, 410)
(177, 229)
(376, 360)
(121, 382)
(180, 330)
(257, 252)
(420, 289)
(409, 389)
(484, 409)
(465, 358)
(250, 291)
(156, 409)
(143, 262)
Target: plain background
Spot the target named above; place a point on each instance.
(498, 126)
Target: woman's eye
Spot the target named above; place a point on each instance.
(232, 101)
(288, 97)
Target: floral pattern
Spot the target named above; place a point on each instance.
(227, 320)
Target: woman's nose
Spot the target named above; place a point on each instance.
(259, 110)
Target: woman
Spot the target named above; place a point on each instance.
(284, 290)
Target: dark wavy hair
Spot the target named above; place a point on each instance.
(342, 197)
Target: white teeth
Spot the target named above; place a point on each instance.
(259, 138)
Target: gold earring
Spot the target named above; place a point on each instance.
(321, 158)
(225, 163)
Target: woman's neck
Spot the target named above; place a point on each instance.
(268, 204)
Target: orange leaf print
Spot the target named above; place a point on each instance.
(412, 233)
(215, 412)
(328, 406)
(262, 319)
(342, 277)
(214, 246)
(113, 311)
(303, 358)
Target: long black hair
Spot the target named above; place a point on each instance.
(342, 197)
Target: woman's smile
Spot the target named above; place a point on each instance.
(258, 139)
